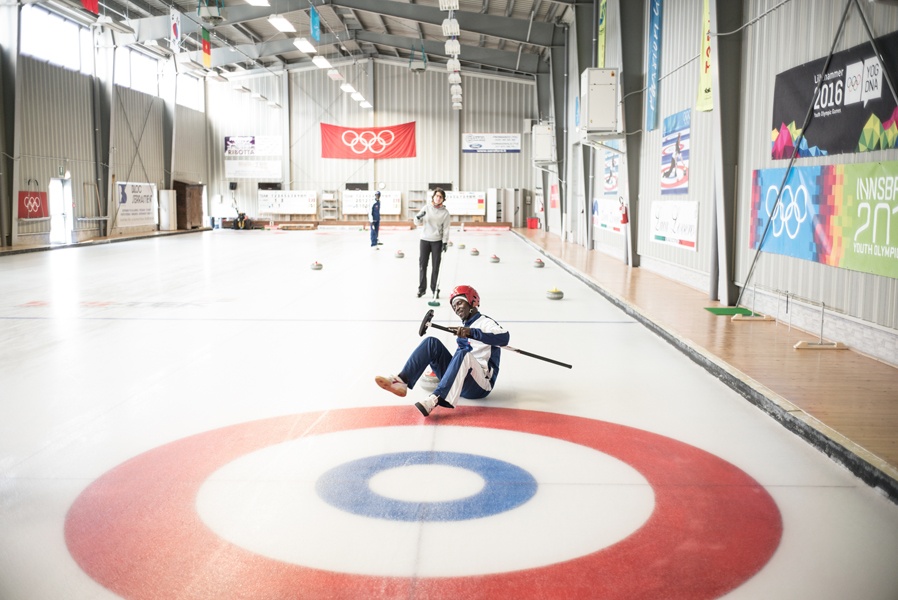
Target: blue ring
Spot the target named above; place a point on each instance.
(347, 487)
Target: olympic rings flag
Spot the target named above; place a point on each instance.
(397, 141)
(33, 205)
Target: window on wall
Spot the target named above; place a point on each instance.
(87, 51)
(50, 37)
(191, 92)
(122, 75)
(62, 41)
(144, 73)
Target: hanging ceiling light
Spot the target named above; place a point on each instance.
(347, 87)
(448, 4)
(365, 104)
(454, 77)
(334, 74)
(322, 63)
(453, 65)
(455, 97)
(455, 89)
(453, 48)
(304, 45)
(281, 24)
(456, 106)
(358, 97)
(258, 2)
(450, 27)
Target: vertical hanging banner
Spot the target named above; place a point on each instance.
(653, 66)
(854, 110)
(315, 23)
(838, 215)
(397, 141)
(705, 100)
(91, 5)
(603, 12)
(675, 153)
(175, 29)
(207, 49)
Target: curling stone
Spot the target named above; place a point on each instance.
(316, 266)
(400, 254)
(475, 252)
(494, 258)
(461, 246)
(554, 294)
(429, 381)
(538, 264)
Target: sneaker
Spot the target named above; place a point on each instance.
(420, 294)
(444, 404)
(427, 405)
(392, 384)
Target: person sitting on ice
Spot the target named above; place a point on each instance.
(470, 373)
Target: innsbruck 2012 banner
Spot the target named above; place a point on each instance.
(839, 215)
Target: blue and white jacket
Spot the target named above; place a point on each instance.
(487, 336)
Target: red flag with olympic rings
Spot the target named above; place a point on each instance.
(396, 141)
(33, 205)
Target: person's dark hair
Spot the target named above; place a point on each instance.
(439, 191)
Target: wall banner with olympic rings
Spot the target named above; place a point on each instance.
(33, 205)
(396, 141)
(854, 110)
(839, 215)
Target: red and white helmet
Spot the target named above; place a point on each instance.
(468, 292)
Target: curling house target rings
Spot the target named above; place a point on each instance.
(347, 487)
(135, 529)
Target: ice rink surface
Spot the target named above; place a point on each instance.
(195, 416)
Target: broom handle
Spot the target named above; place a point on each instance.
(519, 351)
(532, 355)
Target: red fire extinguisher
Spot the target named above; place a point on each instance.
(624, 218)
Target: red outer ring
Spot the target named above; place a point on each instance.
(136, 531)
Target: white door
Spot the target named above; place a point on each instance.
(60, 200)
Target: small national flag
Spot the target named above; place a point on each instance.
(91, 5)
(207, 49)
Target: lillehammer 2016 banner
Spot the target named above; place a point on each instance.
(839, 215)
(397, 141)
(854, 111)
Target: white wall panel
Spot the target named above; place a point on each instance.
(54, 135)
(239, 113)
(136, 148)
(497, 106)
(794, 34)
(677, 91)
(190, 154)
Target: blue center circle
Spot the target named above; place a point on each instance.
(348, 488)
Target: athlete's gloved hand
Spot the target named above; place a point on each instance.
(445, 246)
(463, 332)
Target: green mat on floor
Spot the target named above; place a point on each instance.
(729, 310)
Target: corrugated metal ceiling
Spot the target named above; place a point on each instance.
(503, 36)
